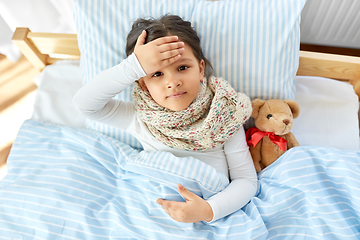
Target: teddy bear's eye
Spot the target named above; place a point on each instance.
(269, 116)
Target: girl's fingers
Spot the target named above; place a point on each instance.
(174, 59)
(168, 61)
(167, 39)
(141, 38)
(171, 46)
(171, 54)
(172, 206)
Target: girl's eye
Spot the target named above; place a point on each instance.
(182, 68)
(157, 74)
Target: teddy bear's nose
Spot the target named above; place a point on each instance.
(286, 121)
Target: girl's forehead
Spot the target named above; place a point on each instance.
(188, 51)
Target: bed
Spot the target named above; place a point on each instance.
(71, 178)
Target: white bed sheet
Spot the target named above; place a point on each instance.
(328, 108)
(328, 114)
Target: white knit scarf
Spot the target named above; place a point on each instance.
(215, 115)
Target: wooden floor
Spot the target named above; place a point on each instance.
(17, 94)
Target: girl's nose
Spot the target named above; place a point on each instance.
(172, 83)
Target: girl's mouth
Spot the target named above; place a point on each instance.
(176, 95)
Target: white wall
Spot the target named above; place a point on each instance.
(331, 23)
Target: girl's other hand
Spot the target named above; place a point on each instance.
(159, 53)
(195, 208)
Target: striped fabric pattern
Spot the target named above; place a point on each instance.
(252, 44)
(67, 183)
(311, 193)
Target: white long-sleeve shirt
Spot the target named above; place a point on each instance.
(233, 159)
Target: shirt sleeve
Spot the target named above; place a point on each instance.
(95, 99)
(243, 178)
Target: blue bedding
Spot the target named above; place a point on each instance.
(67, 183)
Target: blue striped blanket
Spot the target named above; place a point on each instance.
(67, 183)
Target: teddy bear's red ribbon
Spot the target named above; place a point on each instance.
(254, 135)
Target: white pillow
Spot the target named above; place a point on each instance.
(57, 85)
(252, 44)
(328, 113)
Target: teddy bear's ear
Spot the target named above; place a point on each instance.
(256, 104)
(294, 106)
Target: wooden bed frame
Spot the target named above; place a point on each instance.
(37, 47)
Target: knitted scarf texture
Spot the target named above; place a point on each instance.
(216, 114)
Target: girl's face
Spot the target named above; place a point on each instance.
(177, 85)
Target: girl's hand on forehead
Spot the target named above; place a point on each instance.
(159, 53)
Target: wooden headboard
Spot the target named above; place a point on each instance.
(37, 47)
(334, 66)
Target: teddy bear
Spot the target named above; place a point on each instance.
(271, 136)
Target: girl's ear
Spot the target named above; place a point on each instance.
(202, 69)
(142, 84)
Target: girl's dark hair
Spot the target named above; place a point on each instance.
(165, 26)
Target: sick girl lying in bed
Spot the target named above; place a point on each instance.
(177, 109)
